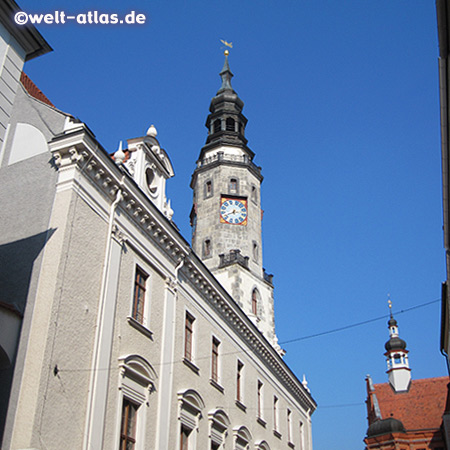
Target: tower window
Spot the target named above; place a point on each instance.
(233, 185)
(254, 195)
(255, 251)
(217, 126)
(230, 124)
(208, 189)
(207, 248)
(255, 295)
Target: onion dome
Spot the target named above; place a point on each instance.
(395, 343)
(385, 426)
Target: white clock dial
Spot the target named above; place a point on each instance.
(233, 211)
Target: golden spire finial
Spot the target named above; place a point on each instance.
(227, 44)
(390, 303)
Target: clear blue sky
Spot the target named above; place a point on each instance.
(342, 102)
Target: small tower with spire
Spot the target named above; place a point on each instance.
(397, 357)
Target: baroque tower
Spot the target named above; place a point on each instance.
(397, 357)
(226, 215)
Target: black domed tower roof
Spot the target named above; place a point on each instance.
(226, 122)
(385, 426)
(395, 343)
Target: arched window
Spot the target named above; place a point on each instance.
(262, 445)
(191, 405)
(136, 385)
(229, 124)
(242, 438)
(217, 126)
(219, 423)
(151, 180)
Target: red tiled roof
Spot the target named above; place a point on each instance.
(33, 90)
(420, 408)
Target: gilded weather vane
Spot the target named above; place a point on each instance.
(227, 44)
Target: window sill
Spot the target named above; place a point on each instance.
(138, 326)
(277, 434)
(216, 385)
(241, 406)
(261, 421)
(191, 365)
(290, 444)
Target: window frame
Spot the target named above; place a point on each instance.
(239, 382)
(215, 363)
(259, 399)
(136, 384)
(208, 189)
(189, 321)
(233, 186)
(140, 294)
(190, 406)
(275, 413)
(125, 437)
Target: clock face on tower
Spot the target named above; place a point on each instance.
(233, 211)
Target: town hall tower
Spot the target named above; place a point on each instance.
(226, 215)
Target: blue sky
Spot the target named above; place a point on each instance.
(342, 102)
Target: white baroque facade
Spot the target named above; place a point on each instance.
(124, 338)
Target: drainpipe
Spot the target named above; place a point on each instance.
(91, 437)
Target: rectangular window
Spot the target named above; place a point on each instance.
(289, 430)
(188, 336)
(240, 367)
(233, 186)
(259, 406)
(128, 429)
(140, 280)
(215, 360)
(184, 438)
(301, 435)
(275, 413)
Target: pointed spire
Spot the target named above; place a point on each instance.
(226, 75)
